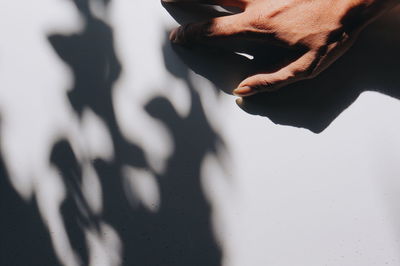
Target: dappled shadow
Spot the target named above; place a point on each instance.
(179, 232)
(372, 64)
(24, 239)
(75, 211)
(92, 58)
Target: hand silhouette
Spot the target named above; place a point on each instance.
(320, 31)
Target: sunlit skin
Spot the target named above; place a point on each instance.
(323, 30)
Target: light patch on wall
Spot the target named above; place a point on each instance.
(248, 56)
(137, 84)
(141, 188)
(91, 188)
(97, 9)
(97, 136)
(139, 127)
(50, 193)
(105, 246)
(214, 180)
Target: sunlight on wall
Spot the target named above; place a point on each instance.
(36, 113)
(132, 157)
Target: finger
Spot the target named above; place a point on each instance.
(216, 28)
(302, 68)
(231, 3)
(334, 51)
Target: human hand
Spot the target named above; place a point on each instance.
(321, 30)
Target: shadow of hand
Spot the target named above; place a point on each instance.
(372, 64)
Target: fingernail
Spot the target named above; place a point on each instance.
(173, 34)
(243, 91)
(239, 101)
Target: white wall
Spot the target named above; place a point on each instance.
(280, 194)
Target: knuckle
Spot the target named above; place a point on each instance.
(306, 73)
(259, 21)
(336, 35)
(264, 85)
(310, 69)
(195, 29)
(189, 33)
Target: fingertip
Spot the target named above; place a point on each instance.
(244, 91)
(173, 36)
(239, 101)
(242, 103)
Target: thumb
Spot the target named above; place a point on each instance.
(304, 67)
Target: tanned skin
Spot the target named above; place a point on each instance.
(322, 30)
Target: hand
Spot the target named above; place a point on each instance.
(321, 30)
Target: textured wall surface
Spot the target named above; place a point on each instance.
(119, 149)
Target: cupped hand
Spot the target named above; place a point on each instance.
(321, 30)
